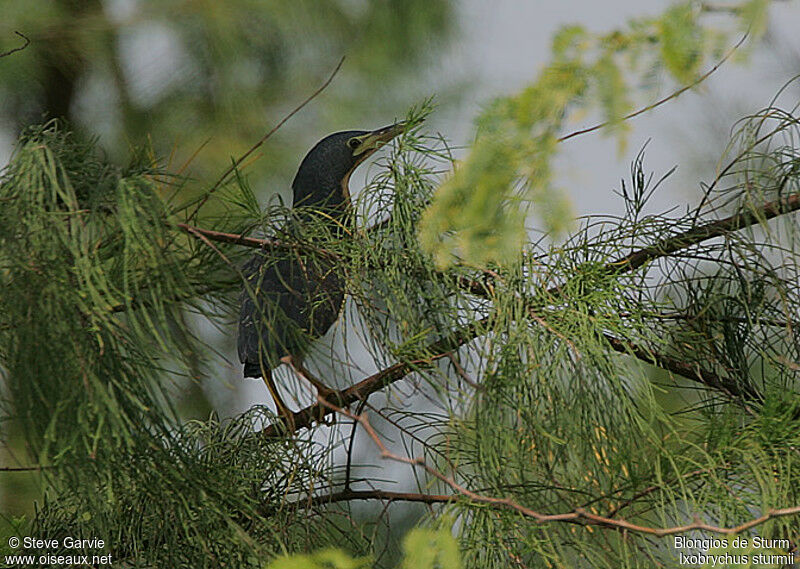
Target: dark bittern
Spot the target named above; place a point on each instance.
(289, 302)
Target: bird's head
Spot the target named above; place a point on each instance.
(324, 174)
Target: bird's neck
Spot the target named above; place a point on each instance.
(327, 196)
(334, 212)
(335, 204)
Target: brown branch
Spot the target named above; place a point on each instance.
(264, 138)
(233, 238)
(307, 416)
(253, 242)
(673, 244)
(20, 48)
(462, 373)
(209, 235)
(706, 231)
(629, 263)
(696, 235)
(579, 515)
(385, 495)
(642, 493)
(728, 319)
(626, 264)
(685, 369)
(199, 235)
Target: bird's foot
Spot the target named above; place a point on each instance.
(324, 414)
(324, 393)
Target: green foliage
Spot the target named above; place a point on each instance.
(681, 41)
(583, 427)
(73, 249)
(92, 279)
(12, 527)
(206, 494)
(612, 94)
(478, 215)
(474, 213)
(431, 549)
(327, 559)
(423, 548)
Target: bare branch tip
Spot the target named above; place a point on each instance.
(20, 48)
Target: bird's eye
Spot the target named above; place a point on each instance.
(354, 143)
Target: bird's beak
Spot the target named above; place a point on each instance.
(371, 142)
(377, 138)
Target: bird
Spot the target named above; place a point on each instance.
(288, 302)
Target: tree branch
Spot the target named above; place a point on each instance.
(233, 238)
(305, 417)
(385, 495)
(685, 369)
(709, 230)
(629, 263)
(35, 468)
(579, 515)
(377, 381)
(253, 242)
(696, 235)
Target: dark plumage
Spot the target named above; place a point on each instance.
(288, 303)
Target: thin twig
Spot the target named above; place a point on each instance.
(377, 381)
(239, 239)
(579, 515)
(264, 138)
(20, 48)
(702, 317)
(347, 495)
(686, 369)
(351, 444)
(642, 493)
(660, 102)
(23, 468)
(208, 242)
(704, 232)
(463, 373)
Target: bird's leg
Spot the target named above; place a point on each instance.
(283, 409)
(323, 391)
